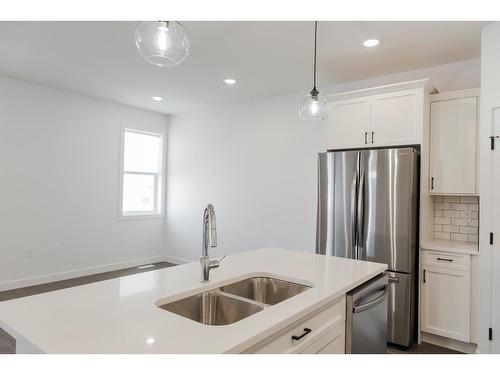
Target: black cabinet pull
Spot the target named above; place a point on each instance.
(366, 135)
(445, 259)
(372, 136)
(424, 277)
(306, 332)
(432, 183)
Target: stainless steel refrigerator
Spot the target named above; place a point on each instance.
(368, 210)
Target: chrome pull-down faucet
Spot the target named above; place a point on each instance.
(209, 239)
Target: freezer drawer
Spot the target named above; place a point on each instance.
(366, 317)
(401, 309)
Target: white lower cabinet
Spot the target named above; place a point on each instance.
(446, 295)
(332, 342)
(321, 332)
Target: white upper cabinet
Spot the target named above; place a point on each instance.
(383, 116)
(453, 142)
(354, 115)
(397, 118)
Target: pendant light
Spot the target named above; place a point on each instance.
(162, 43)
(314, 107)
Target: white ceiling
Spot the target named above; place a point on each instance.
(100, 58)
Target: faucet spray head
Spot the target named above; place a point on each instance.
(212, 233)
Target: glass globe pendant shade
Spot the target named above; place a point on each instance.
(162, 43)
(313, 107)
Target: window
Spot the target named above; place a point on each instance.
(142, 179)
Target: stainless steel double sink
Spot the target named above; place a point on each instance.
(236, 301)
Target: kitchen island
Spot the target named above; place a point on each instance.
(122, 315)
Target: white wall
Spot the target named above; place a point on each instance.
(256, 162)
(59, 169)
(489, 259)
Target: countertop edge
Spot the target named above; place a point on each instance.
(445, 246)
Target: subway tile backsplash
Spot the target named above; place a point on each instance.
(456, 218)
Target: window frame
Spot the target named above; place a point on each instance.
(159, 185)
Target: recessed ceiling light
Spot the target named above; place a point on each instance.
(150, 341)
(371, 43)
(229, 81)
(157, 98)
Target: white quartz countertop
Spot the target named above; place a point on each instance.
(459, 247)
(121, 315)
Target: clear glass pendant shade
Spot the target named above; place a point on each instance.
(162, 43)
(313, 107)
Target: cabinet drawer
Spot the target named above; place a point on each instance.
(446, 260)
(332, 342)
(319, 323)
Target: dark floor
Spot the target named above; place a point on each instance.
(7, 342)
(423, 348)
(63, 284)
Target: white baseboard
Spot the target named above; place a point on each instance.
(20, 283)
(459, 346)
(176, 260)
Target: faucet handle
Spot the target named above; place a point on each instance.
(216, 262)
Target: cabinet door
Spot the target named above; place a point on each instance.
(446, 303)
(348, 123)
(331, 343)
(396, 118)
(453, 146)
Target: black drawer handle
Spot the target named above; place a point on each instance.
(445, 259)
(306, 332)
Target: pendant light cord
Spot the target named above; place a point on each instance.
(315, 47)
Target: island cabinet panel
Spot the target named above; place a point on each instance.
(446, 298)
(332, 342)
(453, 146)
(320, 332)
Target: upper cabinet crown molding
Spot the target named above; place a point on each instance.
(420, 83)
(458, 94)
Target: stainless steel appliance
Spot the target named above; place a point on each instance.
(366, 318)
(368, 210)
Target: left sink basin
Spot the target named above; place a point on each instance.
(212, 308)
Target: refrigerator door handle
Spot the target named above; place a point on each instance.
(353, 208)
(361, 208)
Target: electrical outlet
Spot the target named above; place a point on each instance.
(468, 217)
(29, 252)
(53, 249)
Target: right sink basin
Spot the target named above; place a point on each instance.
(265, 290)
